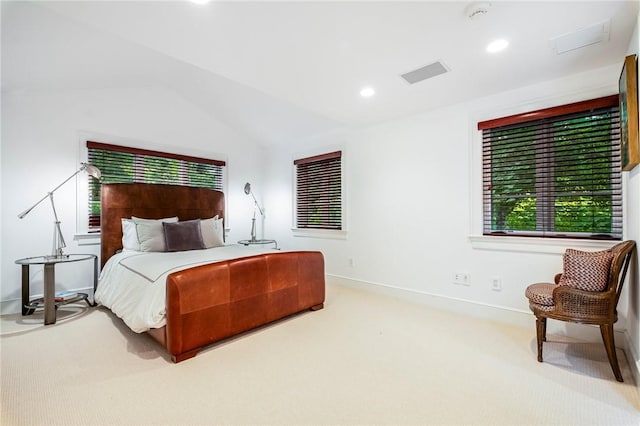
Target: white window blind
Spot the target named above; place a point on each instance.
(554, 172)
(319, 192)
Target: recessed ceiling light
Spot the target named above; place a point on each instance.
(497, 45)
(200, 1)
(367, 92)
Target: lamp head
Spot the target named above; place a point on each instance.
(247, 188)
(92, 170)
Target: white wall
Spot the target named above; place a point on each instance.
(413, 197)
(633, 232)
(42, 139)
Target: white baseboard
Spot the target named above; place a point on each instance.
(461, 306)
(633, 359)
(502, 314)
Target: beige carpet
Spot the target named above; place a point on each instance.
(364, 359)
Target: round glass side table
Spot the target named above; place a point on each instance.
(49, 302)
(251, 242)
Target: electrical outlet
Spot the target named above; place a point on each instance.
(462, 278)
(496, 284)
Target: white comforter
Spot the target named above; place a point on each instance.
(132, 283)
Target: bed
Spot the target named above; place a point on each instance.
(205, 295)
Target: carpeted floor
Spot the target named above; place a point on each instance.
(364, 359)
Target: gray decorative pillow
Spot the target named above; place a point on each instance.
(585, 270)
(181, 236)
(150, 234)
(130, 240)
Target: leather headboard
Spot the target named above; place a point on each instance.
(152, 201)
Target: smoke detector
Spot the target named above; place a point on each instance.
(477, 10)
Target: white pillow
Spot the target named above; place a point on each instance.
(151, 234)
(129, 235)
(220, 228)
(212, 232)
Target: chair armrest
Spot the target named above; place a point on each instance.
(587, 305)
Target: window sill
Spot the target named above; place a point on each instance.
(535, 244)
(320, 233)
(87, 239)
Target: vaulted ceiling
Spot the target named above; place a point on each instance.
(284, 71)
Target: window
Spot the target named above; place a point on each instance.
(319, 192)
(120, 164)
(554, 172)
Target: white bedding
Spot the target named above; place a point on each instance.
(132, 283)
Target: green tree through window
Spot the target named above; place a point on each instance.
(556, 176)
(120, 164)
(318, 199)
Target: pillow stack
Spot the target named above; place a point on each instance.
(158, 235)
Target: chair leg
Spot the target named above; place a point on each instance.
(541, 334)
(609, 344)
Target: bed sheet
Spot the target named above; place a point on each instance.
(132, 284)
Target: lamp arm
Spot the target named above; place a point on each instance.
(53, 207)
(59, 237)
(50, 193)
(68, 179)
(26, 212)
(257, 205)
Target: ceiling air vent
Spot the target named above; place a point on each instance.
(428, 71)
(587, 36)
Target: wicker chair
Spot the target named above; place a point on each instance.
(566, 303)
